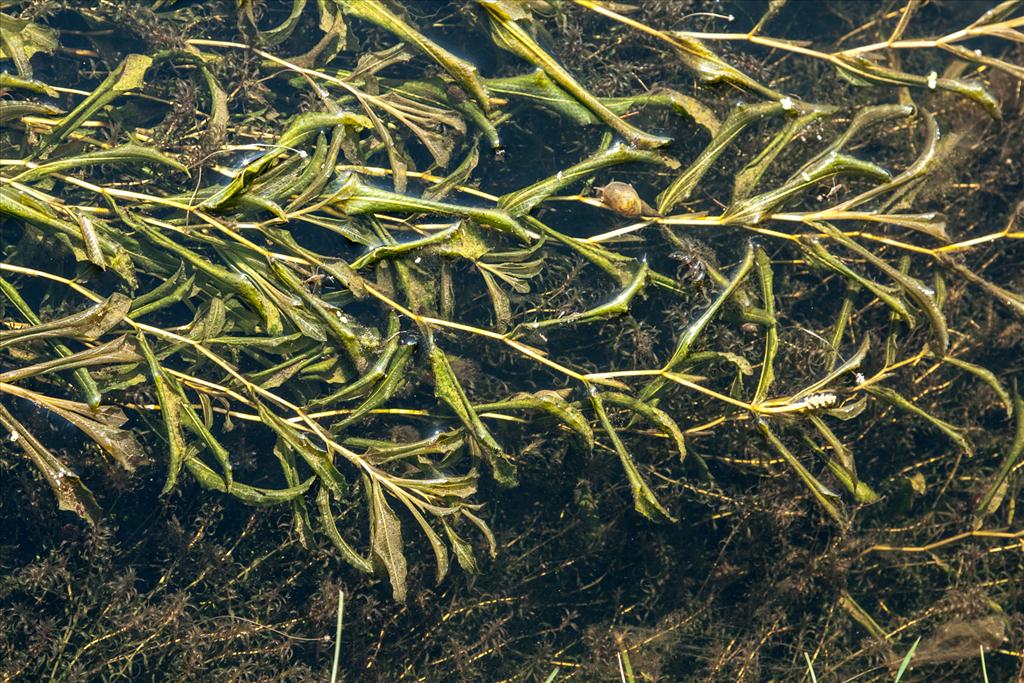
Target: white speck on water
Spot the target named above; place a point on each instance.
(806, 176)
(417, 259)
(786, 103)
(933, 80)
(14, 436)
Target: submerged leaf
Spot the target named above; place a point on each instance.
(128, 76)
(386, 545)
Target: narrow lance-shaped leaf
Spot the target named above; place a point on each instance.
(122, 154)
(861, 68)
(169, 411)
(372, 376)
(72, 494)
(914, 288)
(330, 527)
(986, 376)
(102, 426)
(127, 76)
(89, 324)
(994, 494)
(301, 127)
(357, 198)
(697, 327)
(448, 389)
(465, 72)
(818, 255)
(658, 417)
(817, 489)
(436, 544)
(317, 459)
(923, 164)
(741, 117)
(849, 365)
(510, 35)
(300, 514)
(756, 209)
(550, 402)
(86, 384)
(842, 465)
(749, 176)
(386, 547)
(223, 276)
(463, 550)
(250, 495)
(644, 500)
(522, 201)
(393, 381)
(897, 400)
(617, 305)
(710, 68)
(771, 334)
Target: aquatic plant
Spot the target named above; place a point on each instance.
(347, 281)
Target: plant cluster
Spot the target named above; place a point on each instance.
(312, 260)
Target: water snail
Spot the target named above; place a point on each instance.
(623, 199)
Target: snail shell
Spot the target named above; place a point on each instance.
(623, 199)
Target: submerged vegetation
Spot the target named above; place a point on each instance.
(697, 351)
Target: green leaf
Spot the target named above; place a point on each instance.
(509, 35)
(20, 39)
(994, 494)
(820, 492)
(465, 72)
(741, 117)
(168, 396)
(116, 351)
(693, 331)
(330, 527)
(127, 76)
(386, 539)
(436, 544)
(250, 495)
(72, 494)
(448, 389)
(463, 550)
(644, 500)
(122, 154)
(552, 403)
(655, 415)
(102, 425)
(897, 400)
(87, 325)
